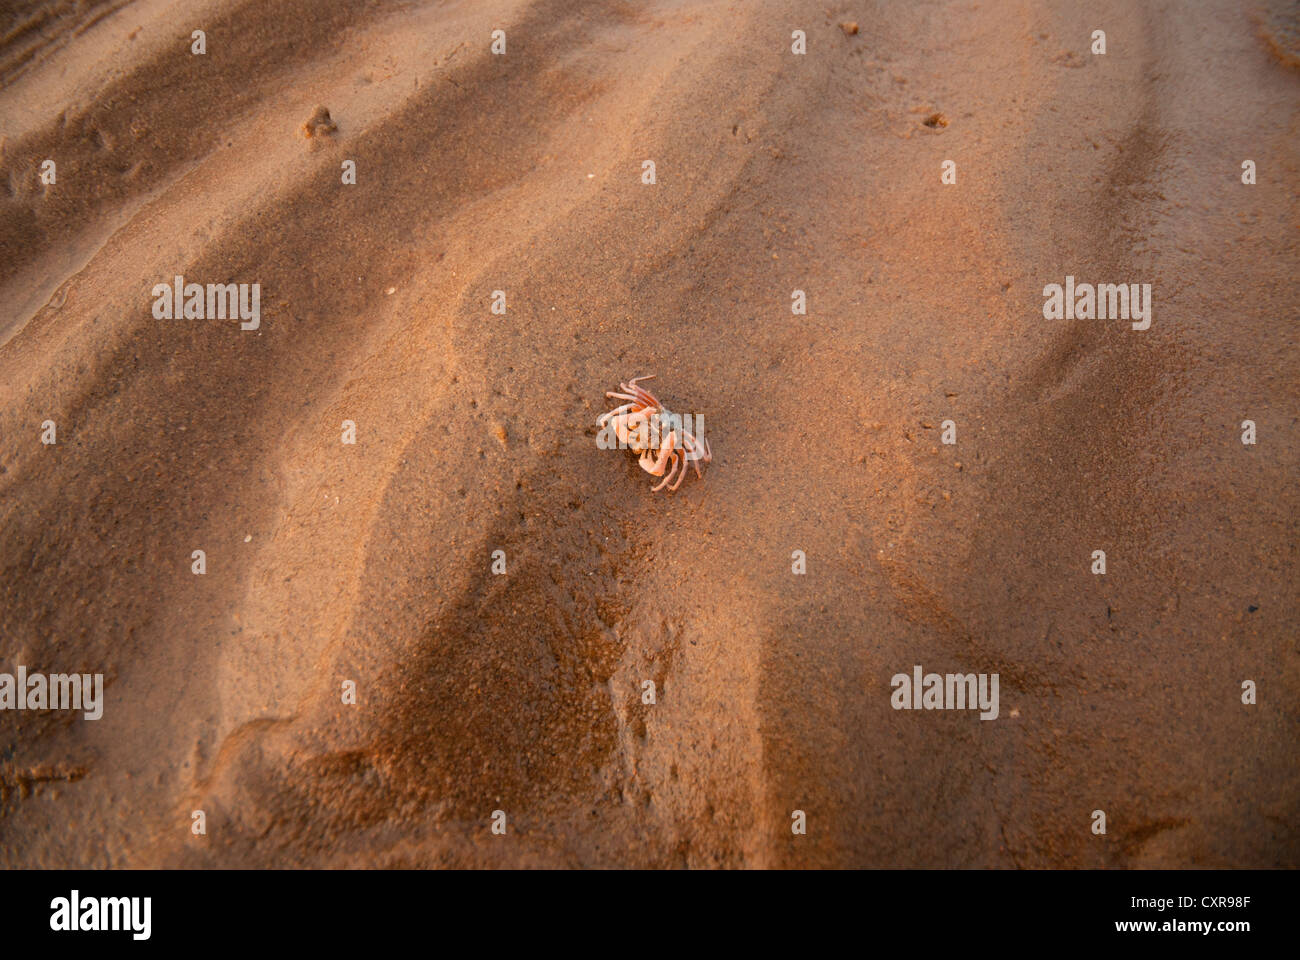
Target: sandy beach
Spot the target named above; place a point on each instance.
(518, 179)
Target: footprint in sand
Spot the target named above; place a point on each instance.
(319, 125)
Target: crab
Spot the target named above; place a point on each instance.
(651, 430)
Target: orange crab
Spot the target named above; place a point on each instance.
(645, 425)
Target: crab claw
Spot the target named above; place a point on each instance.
(675, 464)
(655, 465)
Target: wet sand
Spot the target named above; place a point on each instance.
(475, 432)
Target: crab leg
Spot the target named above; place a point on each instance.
(616, 412)
(674, 460)
(697, 452)
(681, 475)
(642, 393)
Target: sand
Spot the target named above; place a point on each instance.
(371, 563)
